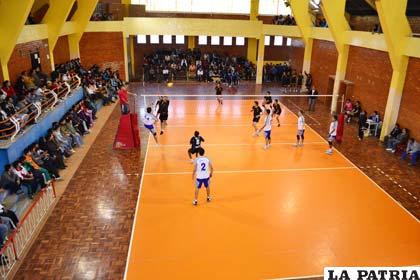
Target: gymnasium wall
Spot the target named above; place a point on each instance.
(61, 50)
(104, 49)
(294, 53)
(371, 72)
(409, 115)
(20, 59)
(323, 64)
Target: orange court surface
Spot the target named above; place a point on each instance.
(276, 213)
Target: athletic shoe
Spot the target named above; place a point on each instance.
(208, 199)
(389, 149)
(195, 202)
(296, 145)
(329, 152)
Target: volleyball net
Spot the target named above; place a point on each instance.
(292, 101)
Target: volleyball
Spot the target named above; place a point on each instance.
(170, 84)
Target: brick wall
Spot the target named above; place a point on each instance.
(104, 49)
(21, 59)
(323, 64)
(409, 115)
(293, 53)
(371, 72)
(61, 50)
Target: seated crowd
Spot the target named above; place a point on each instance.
(31, 88)
(284, 20)
(165, 65)
(43, 160)
(283, 74)
(370, 125)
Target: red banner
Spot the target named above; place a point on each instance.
(128, 133)
(340, 128)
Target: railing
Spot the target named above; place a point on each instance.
(20, 238)
(11, 126)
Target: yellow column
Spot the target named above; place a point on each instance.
(307, 56)
(396, 29)
(54, 19)
(333, 11)
(132, 59)
(125, 39)
(260, 60)
(304, 22)
(13, 15)
(191, 42)
(81, 18)
(251, 53)
(253, 15)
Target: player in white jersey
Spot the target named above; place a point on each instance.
(149, 120)
(267, 128)
(300, 136)
(332, 134)
(203, 171)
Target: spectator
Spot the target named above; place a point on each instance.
(399, 139)
(312, 99)
(355, 112)
(27, 178)
(9, 180)
(412, 150)
(362, 124)
(394, 133)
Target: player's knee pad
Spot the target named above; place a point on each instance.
(154, 133)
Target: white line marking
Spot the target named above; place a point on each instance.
(370, 179)
(137, 209)
(220, 125)
(235, 144)
(254, 171)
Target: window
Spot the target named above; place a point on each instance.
(154, 39)
(141, 39)
(274, 7)
(167, 39)
(227, 41)
(197, 6)
(240, 41)
(215, 40)
(266, 40)
(289, 42)
(278, 40)
(202, 40)
(180, 39)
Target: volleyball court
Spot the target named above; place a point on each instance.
(279, 212)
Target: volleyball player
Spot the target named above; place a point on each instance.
(195, 142)
(277, 111)
(267, 99)
(256, 109)
(219, 90)
(149, 120)
(332, 134)
(203, 171)
(267, 128)
(300, 136)
(163, 112)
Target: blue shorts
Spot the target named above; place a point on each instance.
(267, 133)
(150, 127)
(200, 182)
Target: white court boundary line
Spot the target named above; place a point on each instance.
(137, 209)
(361, 171)
(297, 277)
(233, 144)
(255, 170)
(312, 118)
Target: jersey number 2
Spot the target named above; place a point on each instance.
(203, 167)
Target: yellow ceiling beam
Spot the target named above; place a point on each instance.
(13, 15)
(396, 30)
(55, 18)
(371, 3)
(253, 15)
(81, 19)
(334, 13)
